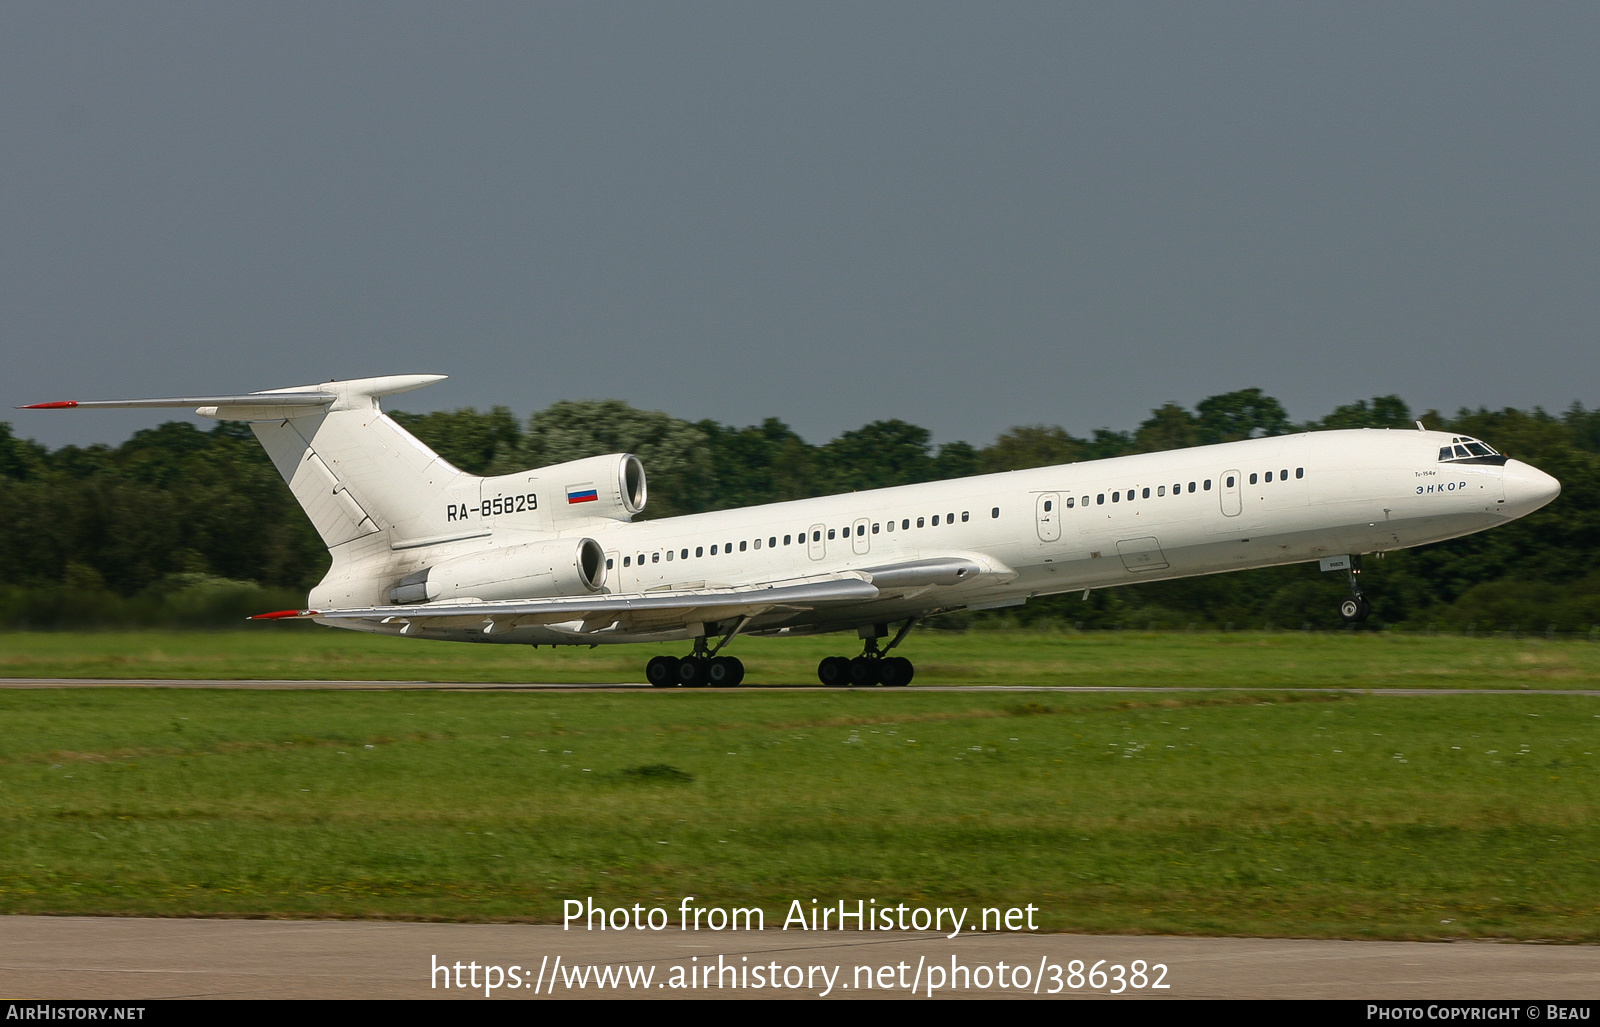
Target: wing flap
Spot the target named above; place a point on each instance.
(656, 607)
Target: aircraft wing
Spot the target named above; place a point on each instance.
(639, 611)
(661, 610)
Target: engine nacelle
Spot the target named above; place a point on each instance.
(535, 570)
(599, 486)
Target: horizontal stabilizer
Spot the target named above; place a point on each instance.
(258, 399)
(271, 401)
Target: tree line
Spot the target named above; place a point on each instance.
(180, 525)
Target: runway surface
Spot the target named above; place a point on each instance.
(480, 686)
(129, 958)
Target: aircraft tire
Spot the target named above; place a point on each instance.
(896, 671)
(692, 671)
(1355, 610)
(864, 672)
(834, 671)
(662, 671)
(724, 672)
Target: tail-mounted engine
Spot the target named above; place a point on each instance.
(554, 498)
(535, 570)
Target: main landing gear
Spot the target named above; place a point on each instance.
(872, 667)
(694, 671)
(700, 668)
(1355, 609)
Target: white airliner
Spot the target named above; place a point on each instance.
(552, 556)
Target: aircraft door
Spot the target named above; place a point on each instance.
(861, 542)
(1228, 492)
(814, 544)
(1047, 514)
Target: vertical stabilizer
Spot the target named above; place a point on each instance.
(354, 470)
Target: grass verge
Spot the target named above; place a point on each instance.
(1280, 813)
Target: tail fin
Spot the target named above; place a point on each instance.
(357, 472)
(353, 470)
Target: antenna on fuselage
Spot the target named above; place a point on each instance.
(1420, 427)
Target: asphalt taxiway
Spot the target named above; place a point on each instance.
(132, 958)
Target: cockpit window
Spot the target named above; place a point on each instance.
(1466, 450)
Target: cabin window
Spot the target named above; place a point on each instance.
(788, 539)
(920, 522)
(966, 515)
(772, 542)
(641, 559)
(1269, 476)
(1071, 502)
(1047, 506)
(816, 536)
(1116, 497)
(1145, 494)
(1252, 478)
(742, 546)
(684, 554)
(627, 561)
(995, 512)
(699, 551)
(905, 523)
(608, 563)
(935, 520)
(1100, 500)
(874, 527)
(830, 533)
(655, 557)
(727, 547)
(1208, 484)
(1161, 490)
(713, 550)
(669, 556)
(949, 518)
(758, 543)
(1283, 474)
(1191, 486)
(1299, 472)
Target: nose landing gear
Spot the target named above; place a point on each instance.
(1355, 609)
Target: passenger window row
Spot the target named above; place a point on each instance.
(1130, 495)
(800, 538)
(1283, 475)
(1160, 491)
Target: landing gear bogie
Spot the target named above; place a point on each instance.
(874, 666)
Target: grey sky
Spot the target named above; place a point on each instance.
(967, 216)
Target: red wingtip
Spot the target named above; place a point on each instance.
(282, 614)
(59, 405)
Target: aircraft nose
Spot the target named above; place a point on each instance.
(1527, 488)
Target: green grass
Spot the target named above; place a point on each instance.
(1273, 813)
(1287, 659)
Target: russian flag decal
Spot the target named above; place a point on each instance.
(585, 493)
